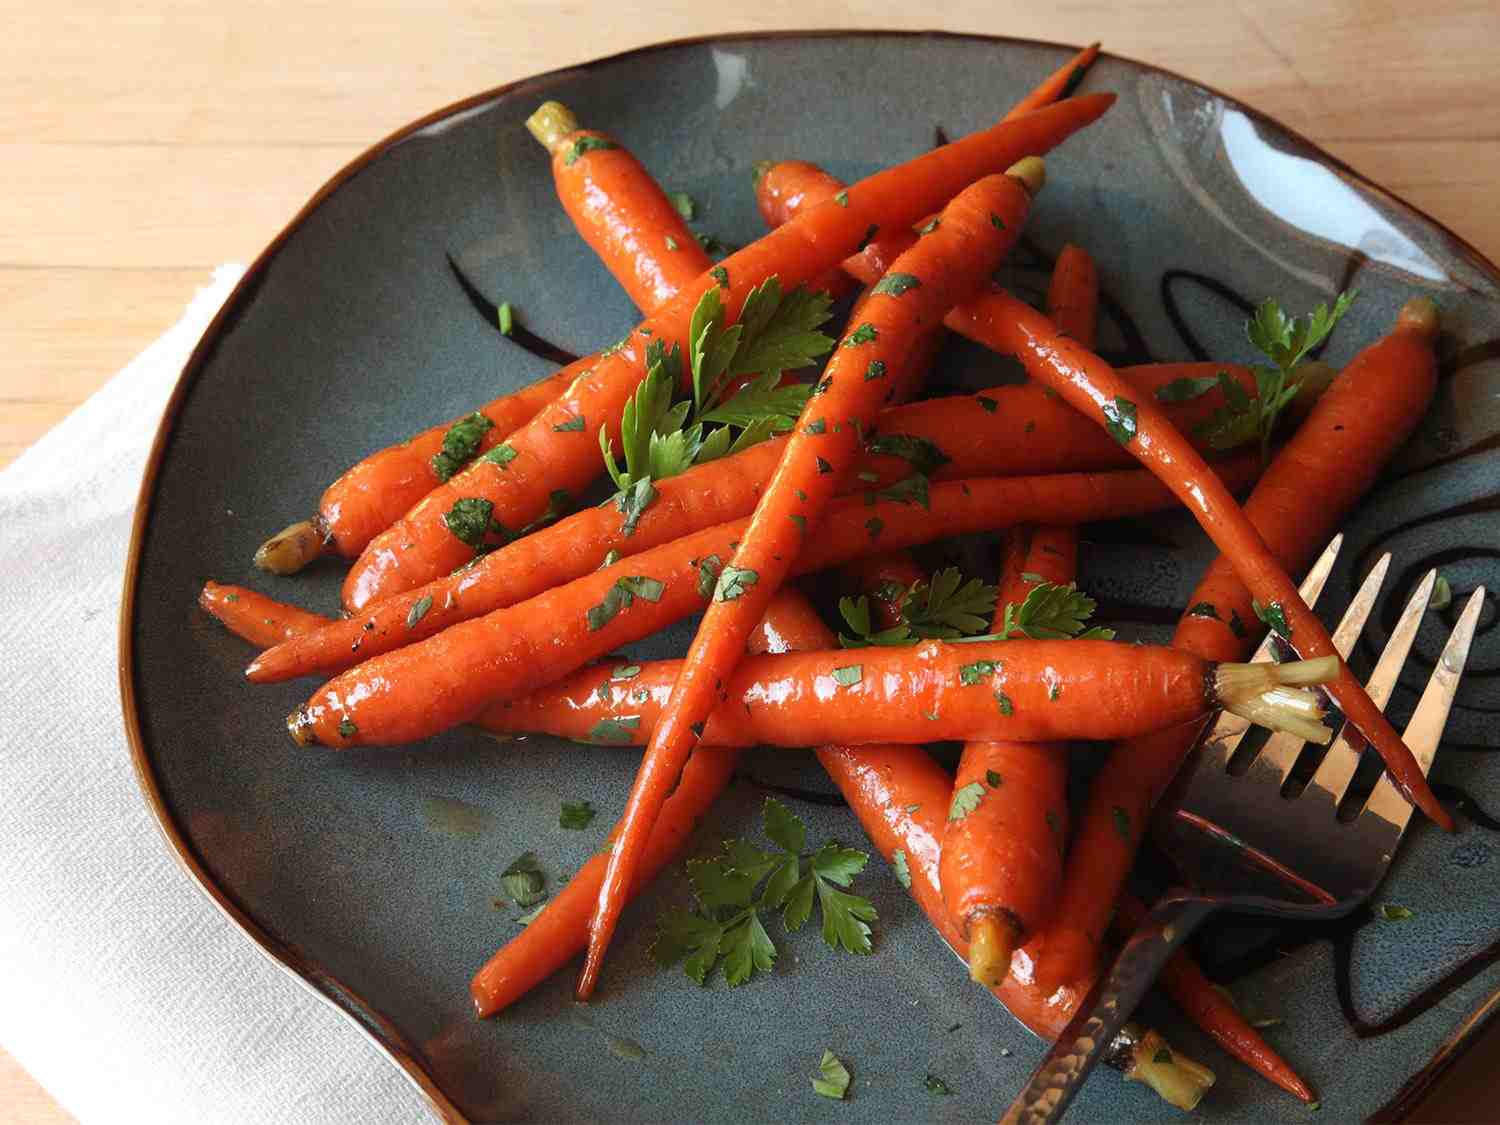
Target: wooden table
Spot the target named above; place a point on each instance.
(144, 143)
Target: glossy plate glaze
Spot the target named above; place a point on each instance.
(375, 875)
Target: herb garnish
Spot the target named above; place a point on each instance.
(1286, 342)
(522, 881)
(734, 886)
(942, 607)
(834, 1080)
(576, 815)
(620, 596)
(460, 444)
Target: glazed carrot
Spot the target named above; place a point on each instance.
(897, 793)
(376, 492)
(560, 931)
(257, 618)
(1212, 1011)
(1011, 430)
(1020, 689)
(624, 215)
(1073, 295)
(784, 190)
(900, 796)
(1060, 83)
(445, 680)
(551, 452)
(619, 209)
(1089, 384)
(1363, 418)
(978, 228)
(1002, 859)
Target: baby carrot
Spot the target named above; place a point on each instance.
(561, 930)
(448, 678)
(1363, 418)
(257, 618)
(1023, 690)
(619, 209)
(1090, 385)
(551, 452)
(1212, 1011)
(979, 226)
(1003, 860)
(1011, 430)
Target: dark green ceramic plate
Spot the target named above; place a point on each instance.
(373, 875)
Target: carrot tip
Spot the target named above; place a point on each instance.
(300, 726)
(290, 549)
(992, 940)
(551, 122)
(1031, 171)
(1420, 315)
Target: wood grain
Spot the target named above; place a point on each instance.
(144, 143)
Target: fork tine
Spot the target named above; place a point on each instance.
(1229, 730)
(1337, 768)
(1427, 721)
(1281, 750)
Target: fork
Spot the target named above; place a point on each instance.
(1241, 844)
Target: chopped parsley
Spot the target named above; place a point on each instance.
(866, 333)
(576, 815)
(1274, 617)
(895, 284)
(833, 1077)
(620, 596)
(1119, 419)
(734, 581)
(848, 675)
(460, 444)
(965, 800)
(615, 732)
(418, 610)
(522, 881)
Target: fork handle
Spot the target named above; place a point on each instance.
(1092, 1031)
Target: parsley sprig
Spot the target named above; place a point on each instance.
(661, 438)
(943, 607)
(734, 887)
(1286, 342)
(1053, 612)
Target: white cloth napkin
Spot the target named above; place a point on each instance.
(122, 988)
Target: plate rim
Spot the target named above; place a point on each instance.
(378, 1030)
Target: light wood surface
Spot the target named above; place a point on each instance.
(143, 143)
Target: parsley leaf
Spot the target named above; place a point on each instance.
(1286, 342)
(660, 438)
(620, 596)
(1052, 612)
(1119, 419)
(734, 581)
(936, 1085)
(902, 868)
(895, 284)
(834, 1082)
(682, 202)
(522, 881)
(576, 815)
(470, 520)
(1274, 617)
(943, 607)
(1393, 913)
(924, 456)
(966, 800)
(1185, 389)
(737, 885)
(460, 444)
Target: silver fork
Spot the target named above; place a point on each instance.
(1242, 845)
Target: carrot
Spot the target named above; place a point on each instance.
(979, 227)
(1023, 690)
(560, 931)
(1363, 418)
(1073, 295)
(1012, 430)
(1089, 384)
(1002, 861)
(550, 452)
(784, 190)
(618, 209)
(257, 618)
(884, 578)
(897, 793)
(900, 796)
(448, 678)
(1212, 1011)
